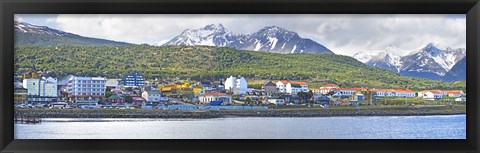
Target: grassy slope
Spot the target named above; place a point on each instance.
(202, 62)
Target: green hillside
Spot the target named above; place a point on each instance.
(203, 62)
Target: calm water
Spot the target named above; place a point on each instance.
(401, 127)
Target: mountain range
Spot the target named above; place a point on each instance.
(28, 34)
(268, 39)
(428, 62)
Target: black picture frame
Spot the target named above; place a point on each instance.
(10, 7)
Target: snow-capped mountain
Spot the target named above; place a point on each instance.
(33, 29)
(363, 57)
(432, 60)
(458, 71)
(386, 60)
(428, 62)
(210, 35)
(30, 34)
(269, 39)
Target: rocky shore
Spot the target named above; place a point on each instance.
(238, 113)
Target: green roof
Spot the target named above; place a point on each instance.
(114, 96)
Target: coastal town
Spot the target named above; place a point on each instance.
(133, 91)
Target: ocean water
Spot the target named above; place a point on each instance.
(371, 127)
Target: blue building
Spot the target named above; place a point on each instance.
(133, 79)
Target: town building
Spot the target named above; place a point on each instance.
(138, 100)
(404, 93)
(215, 96)
(453, 93)
(269, 87)
(41, 90)
(20, 96)
(325, 89)
(385, 92)
(346, 92)
(116, 99)
(112, 83)
(276, 101)
(207, 85)
(292, 87)
(86, 90)
(133, 79)
(236, 85)
(432, 94)
(151, 96)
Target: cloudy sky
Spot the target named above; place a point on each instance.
(343, 34)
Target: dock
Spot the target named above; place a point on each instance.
(25, 119)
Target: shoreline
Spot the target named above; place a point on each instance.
(205, 114)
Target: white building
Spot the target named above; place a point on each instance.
(404, 93)
(325, 89)
(42, 90)
(345, 92)
(215, 96)
(453, 93)
(432, 95)
(385, 92)
(276, 101)
(236, 84)
(86, 90)
(292, 87)
(112, 83)
(151, 96)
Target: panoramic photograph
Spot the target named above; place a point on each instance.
(240, 76)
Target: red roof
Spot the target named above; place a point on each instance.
(284, 81)
(434, 91)
(404, 90)
(293, 82)
(299, 82)
(456, 92)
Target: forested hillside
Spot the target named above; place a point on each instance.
(202, 62)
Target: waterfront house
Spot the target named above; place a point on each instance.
(238, 84)
(321, 99)
(215, 96)
(292, 87)
(138, 100)
(152, 96)
(116, 99)
(86, 90)
(276, 101)
(432, 95)
(269, 87)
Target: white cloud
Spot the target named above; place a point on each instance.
(344, 34)
(17, 18)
